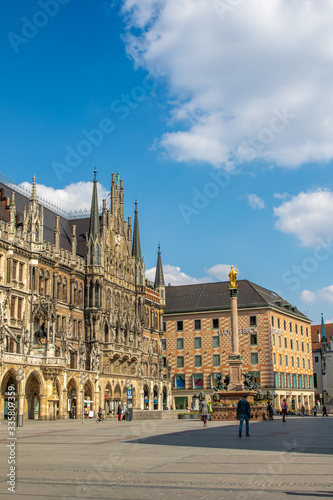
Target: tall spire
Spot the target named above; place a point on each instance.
(322, 330)
(159, 277)
(94, 214)
(34, 190)
(136, 247)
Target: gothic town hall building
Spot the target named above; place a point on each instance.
(78, 320)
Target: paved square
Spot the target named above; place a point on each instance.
(170, 459)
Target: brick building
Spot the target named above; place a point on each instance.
(274, 339)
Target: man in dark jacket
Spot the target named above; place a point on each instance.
(244, 412)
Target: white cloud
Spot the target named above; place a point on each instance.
(251, 82)
(308, 297)
(220, 271)
(255, 202)
(322, 295)
(308, 216)
(76, 196)
(174, 276)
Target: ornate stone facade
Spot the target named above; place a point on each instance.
(73, 301)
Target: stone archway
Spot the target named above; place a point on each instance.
(155, 395)
(72, 399)
(107, 399)
(145, 397)
(33, 395)
(89, 403)
(165, 398)
(8, 382)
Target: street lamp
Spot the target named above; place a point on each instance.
(83, 380)
(19, 378)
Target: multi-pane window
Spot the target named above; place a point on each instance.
(286, 360)
(216, 360)
(296, 329)
(180, 343)
(180, 361)
(279, 341)
(278, 323)
(290, 326)
(272, 320)
(19, 308)
(253, 339)
(12, 307)
(163, 344)
(285, 342)
(254, 358)
(216, 323)
(197, 342)
(21, 271)
(164, 326)
(307, 331)
(274, 358)
(292, 361)
(301, 329)
(197, 324)
(308, 364)
(180, 326)
(297, 362)
(303, 346)
(291, 343)
(297, 346)
(303, 363)
(253, 320)
(280, 359)
(273, 339)
(284, 324)
(216, 341)
(197, 361)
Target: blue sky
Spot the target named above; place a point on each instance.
(218, 116)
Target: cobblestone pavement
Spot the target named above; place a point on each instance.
(169, 460)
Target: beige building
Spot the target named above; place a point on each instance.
(74, 302)
(274, 342)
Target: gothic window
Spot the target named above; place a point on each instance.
(59, 290)
(41, 282)
(12, 307)
(96, 295)
(80, 296)
(47, 283)
(96, 255)
(139, 275)
(64, 290)
(19, 308)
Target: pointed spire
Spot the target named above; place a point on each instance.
(94, 214)
(322, 330)
(34, 190)
(136, 248)
(159, 277)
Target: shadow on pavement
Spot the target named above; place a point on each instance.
(294, 436)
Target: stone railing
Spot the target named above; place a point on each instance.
(11, 357)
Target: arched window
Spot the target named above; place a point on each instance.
(96, 255)
(41, 282)
(47, 283)
(64, 290)
(139, 276)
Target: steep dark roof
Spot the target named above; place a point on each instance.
(215, 296)
(49, 222)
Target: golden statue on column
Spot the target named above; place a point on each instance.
(232, 275)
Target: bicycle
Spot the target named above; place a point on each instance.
(101, 419)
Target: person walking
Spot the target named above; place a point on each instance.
(324, 411)
(203, 410)
(302, 410)
(284, 409)
(119, 412)
(270, 410)
(244, 413)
